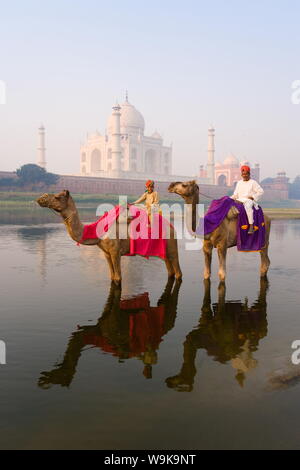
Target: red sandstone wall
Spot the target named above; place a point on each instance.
(91, 185)
(275, 195)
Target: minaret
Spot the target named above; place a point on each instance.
(116, 151)
(41, 160)
(211, 155)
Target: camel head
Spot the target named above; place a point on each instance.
(186, 190)
(59, 202)
(189, 191)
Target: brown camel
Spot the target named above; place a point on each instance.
(224, 237)
(113, 248)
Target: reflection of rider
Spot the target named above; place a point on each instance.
(127, 328)
(228, 331)
(150, 197)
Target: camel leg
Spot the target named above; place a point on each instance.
(222, 251)
(265, 261)
(184, 381)
(221, 297)
(172, 256)
(110, 265)
(176, 267)
(207, 250)
(116, 261)
(170, 269)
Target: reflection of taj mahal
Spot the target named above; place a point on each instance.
(124, 151)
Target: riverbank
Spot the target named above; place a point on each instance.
(282, 213)
(17, 202)
(21, 199)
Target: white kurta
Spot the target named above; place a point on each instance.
(246, 189)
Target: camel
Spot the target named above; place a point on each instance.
(112, 332)
(229, 332)
(224, 237)
(113, 248)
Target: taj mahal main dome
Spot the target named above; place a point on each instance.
(131, 119)
(124, 151)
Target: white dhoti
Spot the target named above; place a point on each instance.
(248, 204)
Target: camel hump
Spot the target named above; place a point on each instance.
(232, 213)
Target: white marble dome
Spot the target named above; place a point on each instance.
(94, 135)
(231, 160)
(131, 120)
(156, 135)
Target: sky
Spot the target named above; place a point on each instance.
(186, 65)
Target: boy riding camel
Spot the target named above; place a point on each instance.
(150, 197)
(248, 191)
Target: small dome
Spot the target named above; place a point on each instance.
(156, 135)
(131, 120)
(218, 165)
(95, 135)
(231, 160)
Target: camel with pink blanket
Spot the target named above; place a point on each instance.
(106, 234)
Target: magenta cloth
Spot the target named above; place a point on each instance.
(101, 227)
(216, 214)
(147, 239)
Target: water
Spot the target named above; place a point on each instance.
(154, 368)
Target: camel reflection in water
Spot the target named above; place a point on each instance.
(127, 328)
(228, 331)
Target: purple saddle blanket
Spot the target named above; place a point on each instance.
(217, 212)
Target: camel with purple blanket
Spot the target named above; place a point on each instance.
(106, 234)
(225, 225)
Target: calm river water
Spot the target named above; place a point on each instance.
(156, 366)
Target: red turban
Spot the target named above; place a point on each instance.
(245, 168)
(149, 183)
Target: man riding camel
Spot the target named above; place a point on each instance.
(150, 197)
(248, 191)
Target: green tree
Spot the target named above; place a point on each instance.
(6, 182)
(34, 174)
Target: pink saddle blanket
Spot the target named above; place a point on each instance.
(146, 239)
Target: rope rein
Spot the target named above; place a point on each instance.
(205, 195)
(59, 215)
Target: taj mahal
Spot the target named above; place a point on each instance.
(124, 151)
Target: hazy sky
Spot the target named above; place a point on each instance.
(186, 65)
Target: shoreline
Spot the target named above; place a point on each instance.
(18, 201)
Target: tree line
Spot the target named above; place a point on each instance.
(30, 175)
(35, 176)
